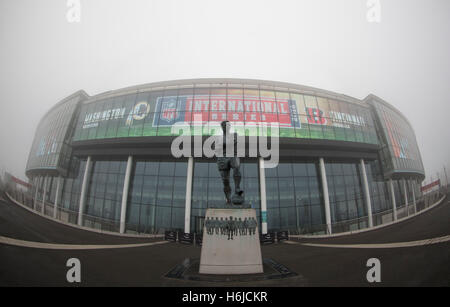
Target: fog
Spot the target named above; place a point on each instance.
(329, 44)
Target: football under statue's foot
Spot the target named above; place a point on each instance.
(238, 198)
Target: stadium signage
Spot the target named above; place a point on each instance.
(253, 115)
(138, 112)
(92, 119)
(429, 186)
(252, 110)
(346, 119)
(339, 119)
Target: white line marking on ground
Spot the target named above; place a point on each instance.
(380, 245)
(31, 244)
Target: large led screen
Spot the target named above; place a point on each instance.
(156, 113)
(400, 152)
(402, 142)
(50, 148)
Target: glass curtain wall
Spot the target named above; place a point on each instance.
(294, 198)
(104, 194)
(51, 189)
(50, 148)
(346, 196)
(156, 199)
(379, 194)
(39, 194)
(70, 200)
(156, 196)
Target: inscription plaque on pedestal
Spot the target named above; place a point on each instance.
(230, 242)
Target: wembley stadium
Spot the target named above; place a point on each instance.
(105, 161)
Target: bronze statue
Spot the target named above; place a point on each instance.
(225, 164)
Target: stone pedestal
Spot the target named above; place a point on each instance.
(230, 248)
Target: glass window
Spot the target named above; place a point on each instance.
(166, 168)
(179, 192)
(250, 169)
(315, 117)
(151, 168)
(160, 192)
(180, 169)
(287, 192)
(149, 190)
(150, 127)
(106, 184)
(201, 169)
(252, 111)
(138, 114)
(285, 170)
(105, 117)
(117, 114)
(128, 105)
(345, 192)
(282, 108)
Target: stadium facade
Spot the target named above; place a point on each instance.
(105, 161)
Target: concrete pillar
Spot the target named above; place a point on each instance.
(187, 204)
(394, 206)
(58, 190)
(326, 197)
(367, 193)
(37, 182)
(84, 188)
(262, 191)
(446, 180)
(153, 218)
(126, 185)
(44, 194)
(405, 191)
(414, 195)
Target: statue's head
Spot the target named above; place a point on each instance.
(225, 126)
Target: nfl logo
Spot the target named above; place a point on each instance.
(169, 111)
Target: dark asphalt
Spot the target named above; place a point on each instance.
(146, 266)
(19, 223)
(430, 224)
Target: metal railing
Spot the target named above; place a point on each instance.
(103, 224)
(379, 218)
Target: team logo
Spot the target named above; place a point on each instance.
(139, 112)
(169, 110)
(315, 116)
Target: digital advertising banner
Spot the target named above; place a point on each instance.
(216, 108)
(297, 116)
(399, 143)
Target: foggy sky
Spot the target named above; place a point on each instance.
(329, 44)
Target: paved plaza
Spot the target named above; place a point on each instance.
(34, 251)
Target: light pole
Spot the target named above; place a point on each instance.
(446, 179)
